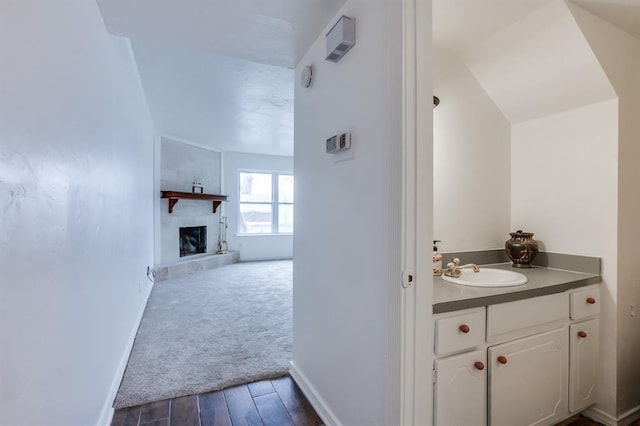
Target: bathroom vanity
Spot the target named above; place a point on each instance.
(522, 355)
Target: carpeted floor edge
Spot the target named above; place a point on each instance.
(132, 402)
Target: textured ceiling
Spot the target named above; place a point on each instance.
(220, 72)
(226, 103)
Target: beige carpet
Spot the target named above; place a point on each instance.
(211, 330)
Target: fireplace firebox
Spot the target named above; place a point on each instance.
(193, 240)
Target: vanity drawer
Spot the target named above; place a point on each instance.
(585, 303)
(464, 330)
(524, 317)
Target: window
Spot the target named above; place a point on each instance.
(266, 203)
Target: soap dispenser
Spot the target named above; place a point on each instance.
(437, 259)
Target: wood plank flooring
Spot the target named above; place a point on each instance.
(276, 402)
(578, 420)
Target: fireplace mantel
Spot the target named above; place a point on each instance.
(175, 196)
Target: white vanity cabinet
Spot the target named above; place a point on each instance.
(460, 379)
(535, 363)
(528, 380)
(584, 342)
(461, 389)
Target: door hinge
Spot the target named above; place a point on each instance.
(435, 377)
(408, 278)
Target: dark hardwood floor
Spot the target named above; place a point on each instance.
(578, 420)
(276, 402)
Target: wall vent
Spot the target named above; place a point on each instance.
(338, 143)
(340, 38)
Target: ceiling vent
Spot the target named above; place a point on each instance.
(340, 38)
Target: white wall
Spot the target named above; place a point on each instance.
(471, 161)
(76, 196)
(180, 162)
(526, 70)
(347, 215)
(564, 184)
(619, 55)
(254, 247)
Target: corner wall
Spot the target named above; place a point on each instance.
(76, 197)
(471, 161)
(347, 243)
(253, 247)
(619, 55)
(564, 189)
(524, 66)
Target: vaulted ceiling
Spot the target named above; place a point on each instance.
(530, 56)
(220, 73)
(459, 24)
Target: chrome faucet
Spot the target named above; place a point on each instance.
(453, 268)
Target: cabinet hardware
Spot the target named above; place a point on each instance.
(582, 334)
(478, 365)
(591, 301)
(502, 359)
(464, 328)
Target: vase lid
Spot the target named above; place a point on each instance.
(519, 233)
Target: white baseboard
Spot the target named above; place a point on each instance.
(262, 258)
(321, 407)
(106, 415)
(624, 420)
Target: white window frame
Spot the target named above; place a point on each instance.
(274, 203)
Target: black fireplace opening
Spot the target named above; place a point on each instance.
(193, 240)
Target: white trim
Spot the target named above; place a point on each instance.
(223, 187)
(624, 420)
(157, 201)
(264, 259)
(106, 414)
(188, 142)
(417, 114)
(318, 403)
(265, 234)
(407, 391)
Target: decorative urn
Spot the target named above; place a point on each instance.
(521, 249)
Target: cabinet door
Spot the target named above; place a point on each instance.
(461, 390)
(528, 380)
(584, 364)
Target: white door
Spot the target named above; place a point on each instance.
(461, 390)
(584, 346)
(528, 380)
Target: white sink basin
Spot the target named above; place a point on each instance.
(488, 277)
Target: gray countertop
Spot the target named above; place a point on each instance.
(449, 297)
